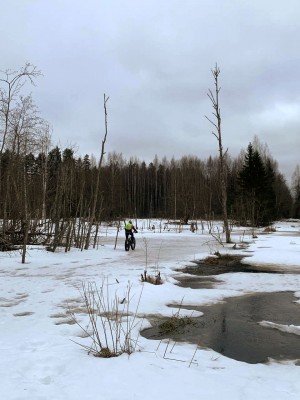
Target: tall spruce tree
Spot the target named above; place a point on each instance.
(256, 182)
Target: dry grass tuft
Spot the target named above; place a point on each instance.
(220, 258)
(175, 323)
(154, 280)
(269, 229)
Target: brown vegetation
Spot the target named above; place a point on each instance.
(155, 280)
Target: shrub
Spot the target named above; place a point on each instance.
(110, 323)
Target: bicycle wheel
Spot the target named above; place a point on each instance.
(132, 244)
(126, 245)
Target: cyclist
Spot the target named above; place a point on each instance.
(129, 229)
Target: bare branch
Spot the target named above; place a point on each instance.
(211, 122)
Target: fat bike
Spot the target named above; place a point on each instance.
(130, 243)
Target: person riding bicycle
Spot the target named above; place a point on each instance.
(129, 229)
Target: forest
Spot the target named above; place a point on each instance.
(49, 195)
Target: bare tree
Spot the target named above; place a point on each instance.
(96, 193)
(13, 81)
(214, 98)
(24, 137)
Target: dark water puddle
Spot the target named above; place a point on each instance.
(198, 282)
(201, 274)
(224, 264)
(231, 328)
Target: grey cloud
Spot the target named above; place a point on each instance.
(154, 59)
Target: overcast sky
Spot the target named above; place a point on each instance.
(153, 58)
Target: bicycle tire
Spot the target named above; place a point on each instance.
(127, 245)
(132, 244)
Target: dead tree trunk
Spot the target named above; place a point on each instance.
(118, 230)
(96, 194)
(214, 98)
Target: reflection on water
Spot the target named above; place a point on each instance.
(232, 328)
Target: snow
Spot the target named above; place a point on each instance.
(283, 328)
(39, 359)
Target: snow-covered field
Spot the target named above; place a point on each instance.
(40, 361)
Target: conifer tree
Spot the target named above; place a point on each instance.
(253, 182)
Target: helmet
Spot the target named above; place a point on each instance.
(130, 221)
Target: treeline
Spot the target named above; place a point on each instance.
(50, 196)
(57, 185)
